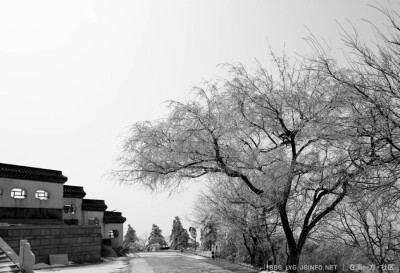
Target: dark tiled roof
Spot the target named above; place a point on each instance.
(30, 173)
(73, 192)
(93, 205)
(113, 217)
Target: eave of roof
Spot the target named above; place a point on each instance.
(93, 205)
(73, 192)
(113, 217)
(31, 173)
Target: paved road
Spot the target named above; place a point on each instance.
(172, 262)
(156, 262)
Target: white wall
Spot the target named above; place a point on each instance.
(93, 214)
(55, 194)
(115, 242)
(77, 202)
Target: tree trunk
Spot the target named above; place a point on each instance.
(293, 261)
(251, 254)
(380, 266)
(272, 247)
(273, 254)
(294, 251)
(255, 246)
(253, 259)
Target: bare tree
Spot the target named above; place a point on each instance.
(370, 225)
(283, 134)
(371, 76)
(142, 241)
(238, 208)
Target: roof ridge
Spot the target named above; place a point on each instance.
(31, 173)
(27, 167)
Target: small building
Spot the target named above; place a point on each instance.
(113, 223)
(72, 205)
(93, 213)
(36, 196)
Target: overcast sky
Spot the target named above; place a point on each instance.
(75, 74)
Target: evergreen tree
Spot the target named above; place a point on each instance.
(130, 237)
(209, 232)
(179, 235)
(156, 236)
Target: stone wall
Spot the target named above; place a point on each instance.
(81, 243)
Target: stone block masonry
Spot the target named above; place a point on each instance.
(81, 243)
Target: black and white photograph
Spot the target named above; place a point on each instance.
(200, 136)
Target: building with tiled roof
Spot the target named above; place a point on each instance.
(112, 221)
(30, 195)
(72, 205)
(37, 196)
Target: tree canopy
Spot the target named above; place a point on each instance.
(275, 132)
(235, 214)
(156, 237)
(179, 235)
(130, 237)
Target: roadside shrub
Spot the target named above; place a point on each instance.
(153, 247)
(137, 246)
(107, 251)
(122, 251)
(338, 255)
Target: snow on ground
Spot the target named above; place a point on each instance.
(105, 267)
(125, 265)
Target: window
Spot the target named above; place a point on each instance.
(94, 221)
(42, 195)
(18, 193)
(69, 209)
(113, 234)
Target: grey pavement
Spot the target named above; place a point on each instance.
(175, 262)
(156, 262)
